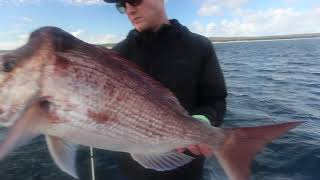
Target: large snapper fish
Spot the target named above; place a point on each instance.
(78, 93)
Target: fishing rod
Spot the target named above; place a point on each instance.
(92, 164)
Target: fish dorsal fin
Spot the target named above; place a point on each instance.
(162, 162)
(63, 154)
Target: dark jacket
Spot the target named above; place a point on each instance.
(185, 63)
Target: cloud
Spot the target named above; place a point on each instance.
(233, 3)
(21, 21)
(17, 41)
(72, 2)
(21, 39)
(209, 9)
(266, 22)
(84, 2)
(97, 39)
(17, 2)
(26, 19)
(16, 34)
(77, 33)
(213, 7)
(291, 1)
(104, 39)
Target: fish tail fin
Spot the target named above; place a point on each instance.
(240, 145)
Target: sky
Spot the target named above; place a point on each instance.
(97, 22)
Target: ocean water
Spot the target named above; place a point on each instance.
(271, 82)
(268, 82)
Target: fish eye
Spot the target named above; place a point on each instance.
(8, 65)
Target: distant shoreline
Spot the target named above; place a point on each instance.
(245, 39)
(254, 39)
(264, 38)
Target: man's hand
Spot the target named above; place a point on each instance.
(199, 149)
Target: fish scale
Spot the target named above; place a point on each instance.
(132, 123)
(125, 104)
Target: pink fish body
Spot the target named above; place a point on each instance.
(79, 93)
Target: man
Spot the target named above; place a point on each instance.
(182, 61)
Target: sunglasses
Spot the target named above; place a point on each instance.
(121, 5)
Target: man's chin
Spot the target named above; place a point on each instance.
(142, 27)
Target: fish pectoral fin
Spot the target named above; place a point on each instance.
(26, 127)
(162, 162)
(63, 154)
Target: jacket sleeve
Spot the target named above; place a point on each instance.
(212, 89)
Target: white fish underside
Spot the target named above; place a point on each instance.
(113, 142)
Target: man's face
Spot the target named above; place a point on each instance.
(147, 15)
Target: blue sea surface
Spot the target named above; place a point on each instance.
(268, 82)
(272, 82)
